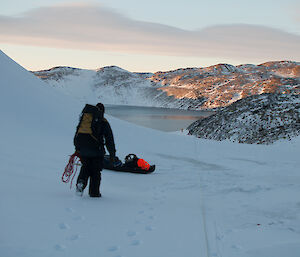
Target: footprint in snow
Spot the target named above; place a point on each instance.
(63, 226)
(151, 217)
(149, 228)
(74, 237)
(113, 248)
(237, 247)
(59, 247)
(78, 218)
(135, 242)
(131, 233)
(70, 210)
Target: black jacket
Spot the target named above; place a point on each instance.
(93, 146)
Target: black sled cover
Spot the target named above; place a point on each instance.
(123, 167)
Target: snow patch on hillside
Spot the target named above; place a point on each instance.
(260, 119)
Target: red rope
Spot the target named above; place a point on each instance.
(69, 169)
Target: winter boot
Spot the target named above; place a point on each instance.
(96, 195)
(79, 189)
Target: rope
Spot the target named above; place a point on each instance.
(69, 169)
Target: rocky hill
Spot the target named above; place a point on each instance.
(192, 88)
(261, 119)
(221, 85)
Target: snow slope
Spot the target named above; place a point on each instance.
(206, 198)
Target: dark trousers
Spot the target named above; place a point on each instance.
(91, 168)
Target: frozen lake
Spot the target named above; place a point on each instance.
(164, 119)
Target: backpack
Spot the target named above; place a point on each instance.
(89, 118)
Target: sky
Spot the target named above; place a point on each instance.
(148, 36)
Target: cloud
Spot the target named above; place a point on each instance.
(296, 13)
(93, 27)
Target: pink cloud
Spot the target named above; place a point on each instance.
(92, 27)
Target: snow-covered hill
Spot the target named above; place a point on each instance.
(31, 111)
(112, 85)
(259, 119)
(192, 88)
(206, 198)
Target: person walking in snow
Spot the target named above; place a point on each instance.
(92, 133)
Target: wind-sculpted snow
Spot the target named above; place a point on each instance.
(260, 119)
(191, 88)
